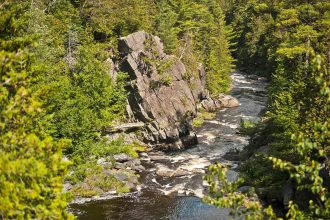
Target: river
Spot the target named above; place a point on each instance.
(178, 196)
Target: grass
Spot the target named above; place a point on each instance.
(83, 192)
(201, 117)
(99, 182)
(91, 179)
(248, 127)
(124, 189)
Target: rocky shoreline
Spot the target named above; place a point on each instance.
(162, 102)
(163, 98)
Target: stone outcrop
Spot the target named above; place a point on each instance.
(159, 96)
(215, 103)
(125, 127)
(161, 101)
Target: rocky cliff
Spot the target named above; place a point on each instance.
(162, 100)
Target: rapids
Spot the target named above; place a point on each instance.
(178, 196)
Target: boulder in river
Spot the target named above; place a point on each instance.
(228, 101)
(218, 102)
(121, 157)
(165, 171)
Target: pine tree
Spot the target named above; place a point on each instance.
(31, 163)
(196, 32)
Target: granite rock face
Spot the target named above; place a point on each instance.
(160, 95)
(221, 101)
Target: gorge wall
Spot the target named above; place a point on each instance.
(162, 98)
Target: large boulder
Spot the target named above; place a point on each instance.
(162, 99)
(227, 101)
(218, 102)
(159, 96)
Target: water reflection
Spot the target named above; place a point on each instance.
(150, 205)
(217, 137)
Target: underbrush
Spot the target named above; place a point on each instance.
(249, 127)
(257, 169)
(93, 171)
(201, 117)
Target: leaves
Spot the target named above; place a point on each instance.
(287, 41)
(196, 32)
(224, 194)
(31, 166)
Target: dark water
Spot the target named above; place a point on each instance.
(151, 205)
(179, 197)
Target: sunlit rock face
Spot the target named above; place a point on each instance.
(160, 93)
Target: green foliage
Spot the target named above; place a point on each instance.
(92, 101)
(280, 39)
(97, 179)
(127, 16)
(253, 24)
(89, 177)
(201, 116)
(166, 20)
(77, 92)
(248, 127)
(312, 145)
(164, 65)
(166, 80)
(79, 96)
(195, 31)
(31, 164)
(223, 193)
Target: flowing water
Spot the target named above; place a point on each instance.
(177, 196)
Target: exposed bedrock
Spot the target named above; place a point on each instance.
(160, 94)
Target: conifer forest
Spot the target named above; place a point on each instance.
(165, 109)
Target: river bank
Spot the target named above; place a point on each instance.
(172, 183)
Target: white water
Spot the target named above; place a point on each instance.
(176, 196)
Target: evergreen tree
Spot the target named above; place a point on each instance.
(31, 163)
(196, 32)
(285, 36)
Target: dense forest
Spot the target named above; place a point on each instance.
(57, 96)
(288, 42)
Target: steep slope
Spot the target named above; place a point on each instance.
(160, 95)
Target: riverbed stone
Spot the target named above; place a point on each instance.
(67, 186)
(133, 162)
(232, 176)
(120, 176)
(144, 155)
(134, 126)
(158, 157)
(244, 189)
(164, 171)
(139, 168)
(180, 172)
(213, 104)
(228, 101)
(120, 165)
(121, 157)
(102, 161)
